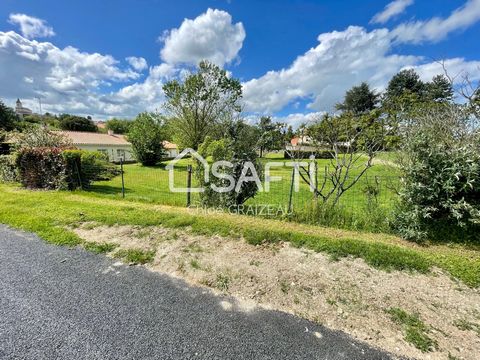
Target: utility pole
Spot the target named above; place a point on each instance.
(39, 104)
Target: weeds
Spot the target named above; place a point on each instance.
(415, 329)
(135, 256)
(99, 248)
(195, 264)
(222, 282)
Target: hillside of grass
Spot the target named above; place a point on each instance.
(51, 213)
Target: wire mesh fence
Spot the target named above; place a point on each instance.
(159, 185)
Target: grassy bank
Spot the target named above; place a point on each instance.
(49, 214)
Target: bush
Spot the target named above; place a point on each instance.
(39, 136)
(85, 167)
(440, 197)
(8, 169)
(59, 168)
(41, 168)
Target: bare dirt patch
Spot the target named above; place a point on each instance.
(347, 295)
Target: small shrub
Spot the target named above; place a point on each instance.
(440, 197)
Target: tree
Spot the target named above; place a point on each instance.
(8, 118)
(236, 148)
(146, 136)
(198, 104)
(270, 135)
(359, 100)
(440, 89)
(119, 126)
(406, 81)
(352, 141)
(289, 134)
(76, 123)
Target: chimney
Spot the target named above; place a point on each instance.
(110, 132)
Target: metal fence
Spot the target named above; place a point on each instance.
(154, 184)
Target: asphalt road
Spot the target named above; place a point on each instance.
(60, 303)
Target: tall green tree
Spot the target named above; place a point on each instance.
(76, 123)
(406, 81)
(271, 135)
(8, 118)
(119, 126)
(198, 104)
(236, 148)
(440, 89)
(146, 136)
(359, 100)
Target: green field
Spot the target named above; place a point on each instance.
(151, 184)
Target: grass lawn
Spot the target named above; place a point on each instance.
(151, 184)
(51, 213)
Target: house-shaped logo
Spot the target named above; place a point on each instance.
(171, 171)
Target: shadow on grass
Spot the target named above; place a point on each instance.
(106, 189)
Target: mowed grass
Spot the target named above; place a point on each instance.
(151, 184)
(51, 213)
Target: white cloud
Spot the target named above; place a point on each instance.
(31, 27)
(393, 9)
(211, 36)
(297, 119)
(323, 74)
(66, 79)
(437, 29)
(137, 63)
(456, 68)
(69, 80)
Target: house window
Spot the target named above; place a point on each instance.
(121, 154)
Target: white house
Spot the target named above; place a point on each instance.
(171, 149)
(115, 146)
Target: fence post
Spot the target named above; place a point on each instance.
(291, 191)
(123, 180)
(79, 175)
(189, 184)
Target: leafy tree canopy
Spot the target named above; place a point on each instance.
(8, 118)
(406, 81)
(76, 123)
(359, 99)
(270, 135)
(440, 89)
(119, 126)
(197, 105)
(147, 135)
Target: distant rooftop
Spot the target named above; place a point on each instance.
(91, 138)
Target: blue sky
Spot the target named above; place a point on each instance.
(295, 58)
